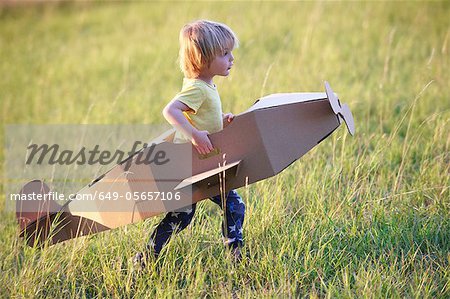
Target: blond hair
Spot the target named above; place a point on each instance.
(200, 42)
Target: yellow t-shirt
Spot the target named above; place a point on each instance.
(204, 100)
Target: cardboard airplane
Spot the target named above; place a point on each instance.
(259, 143)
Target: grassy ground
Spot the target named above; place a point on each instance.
(357, 217)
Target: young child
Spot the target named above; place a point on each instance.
(196, 111)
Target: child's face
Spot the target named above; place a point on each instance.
(221, 64)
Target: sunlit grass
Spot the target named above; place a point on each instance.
(366, 216)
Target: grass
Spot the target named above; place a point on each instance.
(356, 217)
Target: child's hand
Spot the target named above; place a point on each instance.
(227, 119)
(201, 142)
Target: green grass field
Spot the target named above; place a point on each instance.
(367, 216)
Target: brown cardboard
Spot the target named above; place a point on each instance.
(259, 143)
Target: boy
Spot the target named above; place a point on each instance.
(196, 111)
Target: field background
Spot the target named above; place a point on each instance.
(366, 216)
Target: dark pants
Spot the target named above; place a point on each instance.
(178, 220)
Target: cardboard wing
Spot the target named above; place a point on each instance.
(259, 143)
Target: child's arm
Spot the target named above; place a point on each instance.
(173, 113)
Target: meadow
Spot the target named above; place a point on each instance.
(357, 217)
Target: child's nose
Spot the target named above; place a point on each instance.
(231, 57)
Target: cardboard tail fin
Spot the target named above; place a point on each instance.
(35, 203)
(342, 111)
(59, 227)
(41, 219)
